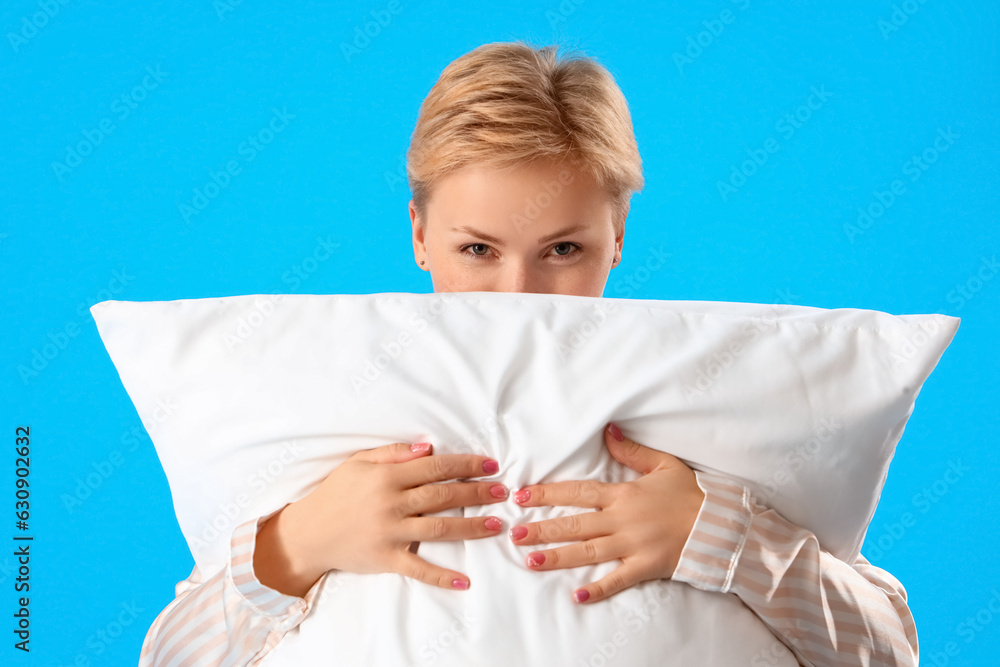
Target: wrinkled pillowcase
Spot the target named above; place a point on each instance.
(252, 400)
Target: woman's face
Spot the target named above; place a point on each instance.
(545, 228)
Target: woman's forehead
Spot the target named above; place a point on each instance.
(538, 195)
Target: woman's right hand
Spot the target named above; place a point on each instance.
(366, 514)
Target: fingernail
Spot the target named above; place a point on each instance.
(522, 496)
(518, 533)
(494, 523)
(490, 466)
(616, 432)
(582, 595)
(459, 583)
(498, 491)
(535, 558)
(420, 446)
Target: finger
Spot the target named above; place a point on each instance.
(577, 493)
(450, 529)
(626, 576)
(397, 452)
(632, 454)
(415, 567)
(431, 498)
(444, 467)
(574, 528)
(590, 552)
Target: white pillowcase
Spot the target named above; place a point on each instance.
(252, 400)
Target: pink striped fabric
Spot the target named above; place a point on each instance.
(229, 619)
(825, 611)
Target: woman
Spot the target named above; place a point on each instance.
(521, 169)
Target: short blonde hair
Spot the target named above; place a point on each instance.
(507, 104)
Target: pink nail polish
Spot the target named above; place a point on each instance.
(494, 523)
(460, 584)
(616, 433)
(536, 558)
(518, 533)
(498, 491)
(420, 447)
(522, 496)
(490, 466)
(582, 595)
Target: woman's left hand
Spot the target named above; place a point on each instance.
(645, 522)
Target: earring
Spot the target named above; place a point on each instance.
(421, 262)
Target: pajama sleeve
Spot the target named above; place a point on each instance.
(826, 611)
(230, 618)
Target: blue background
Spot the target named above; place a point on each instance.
(110, 225)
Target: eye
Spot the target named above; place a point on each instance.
(475, 254)
(571, 249)
(574, 248)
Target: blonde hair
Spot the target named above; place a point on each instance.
(508, 104)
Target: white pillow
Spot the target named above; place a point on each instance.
(252, 400)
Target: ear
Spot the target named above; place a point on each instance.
(620, 239)
(419, 250)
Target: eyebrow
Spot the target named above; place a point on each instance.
(495, 240)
